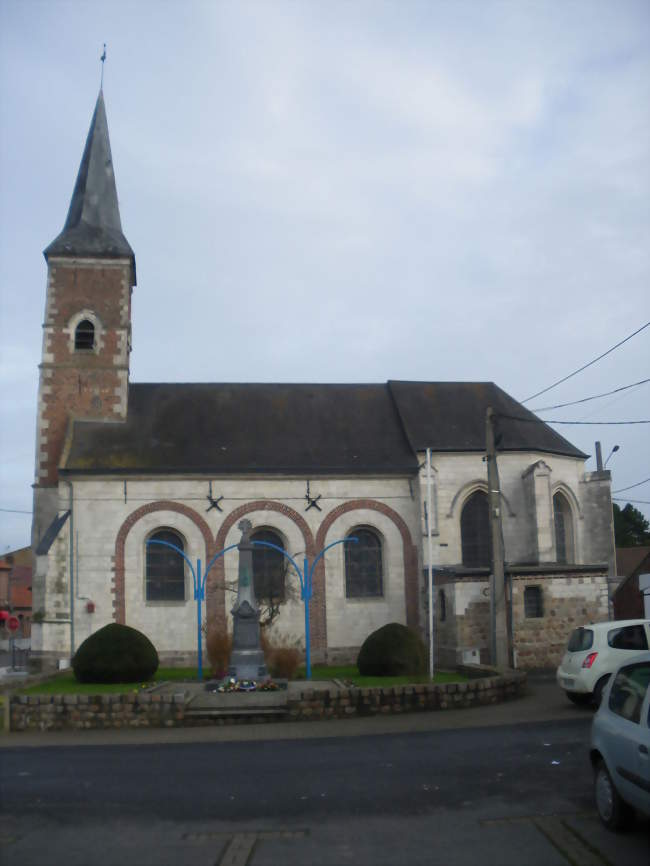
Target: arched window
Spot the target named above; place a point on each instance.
(475, 531)
(165, 579)
(363, 566)
(563, 529)
(442, 605)
(269, 568)
(84, 335)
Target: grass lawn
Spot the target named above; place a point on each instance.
(66, 684)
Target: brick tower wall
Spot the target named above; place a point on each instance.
(84, 383)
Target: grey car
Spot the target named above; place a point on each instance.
(620, 744)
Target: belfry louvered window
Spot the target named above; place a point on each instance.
(165, 579)
(363, 565)
(475, 531)
(84, 335)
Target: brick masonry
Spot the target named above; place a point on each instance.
(82, 384)
(409, 551)
(119, 614)
(216, 605)
(317, 612)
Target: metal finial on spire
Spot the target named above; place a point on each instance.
(102, 58)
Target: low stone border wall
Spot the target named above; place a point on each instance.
(324, 704)
(142, 710)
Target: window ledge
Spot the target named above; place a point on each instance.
(163, 603)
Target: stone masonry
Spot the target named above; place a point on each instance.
(568, 600)
(144, 710)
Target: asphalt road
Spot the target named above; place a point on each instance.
(506, 794)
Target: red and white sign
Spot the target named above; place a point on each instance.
(13, 623)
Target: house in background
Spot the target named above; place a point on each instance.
(16, 587)
(631, 599)
(120, 465)
(5, 568)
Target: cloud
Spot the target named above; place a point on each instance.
(342, 191)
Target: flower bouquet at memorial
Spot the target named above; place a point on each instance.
(232, 684)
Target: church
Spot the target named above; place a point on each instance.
(120, 465)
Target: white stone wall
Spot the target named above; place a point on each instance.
(101, 506)
(466, 593)
(289, 627)
(172, 626)
(51, 633)
(457, 476)
(351, 620)
(100, 510)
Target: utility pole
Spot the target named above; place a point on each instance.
(430, 561)
(498, 606)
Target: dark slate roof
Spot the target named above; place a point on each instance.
(300, 429)
(93, 226)
(450, 416)
(239, 428)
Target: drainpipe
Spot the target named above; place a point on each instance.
(430, 558)
(69, 483)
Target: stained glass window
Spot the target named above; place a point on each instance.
(475, 531)
(363, 565)
(563, 529)
(165, 568)
(268, 567)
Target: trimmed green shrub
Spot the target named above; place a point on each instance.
(115, 654)
(393, 650)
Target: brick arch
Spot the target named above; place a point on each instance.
(409, 552)
(119, 607)
(215, 584)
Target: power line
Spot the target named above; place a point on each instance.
(638, 484)
(584, 367)
(587, 399)
(132, 499)
(597, 423)
(548, 421)
(637, 501)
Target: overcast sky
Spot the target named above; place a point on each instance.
(344, 191)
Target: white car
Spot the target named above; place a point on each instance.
(620, 744)
(594, 651)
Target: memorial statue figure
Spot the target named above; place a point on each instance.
(246, 657)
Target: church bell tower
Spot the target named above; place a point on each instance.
(84, 370)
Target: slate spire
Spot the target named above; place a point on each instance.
(93, 227)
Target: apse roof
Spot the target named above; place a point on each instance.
(450, 416)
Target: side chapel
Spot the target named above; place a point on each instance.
(120, 463)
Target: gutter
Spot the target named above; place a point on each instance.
(71, 556)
